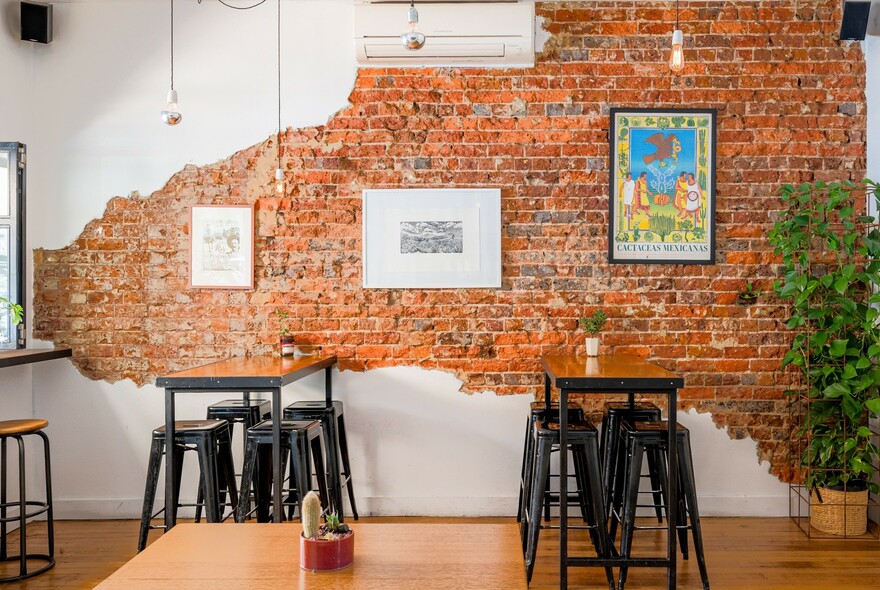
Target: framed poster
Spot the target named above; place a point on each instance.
(222, 246)
(432, 238)
(662, 193)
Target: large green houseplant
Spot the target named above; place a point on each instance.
(831, 259)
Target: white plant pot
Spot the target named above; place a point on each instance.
(592, 346)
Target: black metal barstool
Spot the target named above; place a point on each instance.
(17, 430)
(584, 445)
(613, 452)
(247, 412)
(641, 438)
(303, 442)
(213, 445)
(332, 420)
(538, 412)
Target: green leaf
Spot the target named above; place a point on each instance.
(865, 432)
(836, 390)
(873, 405)
(838, 348)
(860, 466)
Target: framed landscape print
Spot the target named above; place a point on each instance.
(222, 246)
(662, 193)
(432, 238)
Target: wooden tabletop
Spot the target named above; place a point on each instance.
(266, 556)
(25, 356)
(260, 371)
(608, 373)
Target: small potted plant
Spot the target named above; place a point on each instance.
(16, 312)
(325, 547)
(286, 338)
(592, 325)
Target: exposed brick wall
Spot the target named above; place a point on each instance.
(791, 108)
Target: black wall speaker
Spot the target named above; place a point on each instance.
(36, 22)
(855, 20)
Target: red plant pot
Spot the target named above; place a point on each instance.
(318, 555)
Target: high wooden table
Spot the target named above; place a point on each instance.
(386, 556)
(612, 374)
(246, 375)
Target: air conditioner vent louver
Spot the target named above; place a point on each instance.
(458, 34)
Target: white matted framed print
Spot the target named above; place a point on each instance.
(432, 238)
(222, 246)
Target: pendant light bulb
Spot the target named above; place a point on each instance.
(171, 115)
(413, 40)
(279, 181)
(676, 59)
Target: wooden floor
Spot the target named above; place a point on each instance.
(742, 553)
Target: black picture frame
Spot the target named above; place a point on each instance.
(664, 213)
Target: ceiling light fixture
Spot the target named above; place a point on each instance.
(279, 173)
(676, 59)
(413, 40)
(171, 115)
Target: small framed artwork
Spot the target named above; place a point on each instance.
(222, 246)
(662, 193)
(432, 238)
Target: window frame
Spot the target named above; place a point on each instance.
(15, 221)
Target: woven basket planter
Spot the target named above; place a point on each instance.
(839, 513)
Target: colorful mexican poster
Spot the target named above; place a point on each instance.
(662, 193)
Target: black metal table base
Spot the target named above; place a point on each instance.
(632, 388)
(277, 476)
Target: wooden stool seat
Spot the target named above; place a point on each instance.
(25, 508)
(28, 426)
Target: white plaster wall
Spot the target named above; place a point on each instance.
(418, 445)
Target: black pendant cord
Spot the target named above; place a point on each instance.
(676, 15)
(172, 44)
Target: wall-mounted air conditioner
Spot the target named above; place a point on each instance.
(461, 34)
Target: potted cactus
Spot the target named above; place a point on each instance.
(323, 547)
(592, 325)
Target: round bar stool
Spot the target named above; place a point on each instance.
(332, 421)
(303, 442)
(17, 430)
(212, 443)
